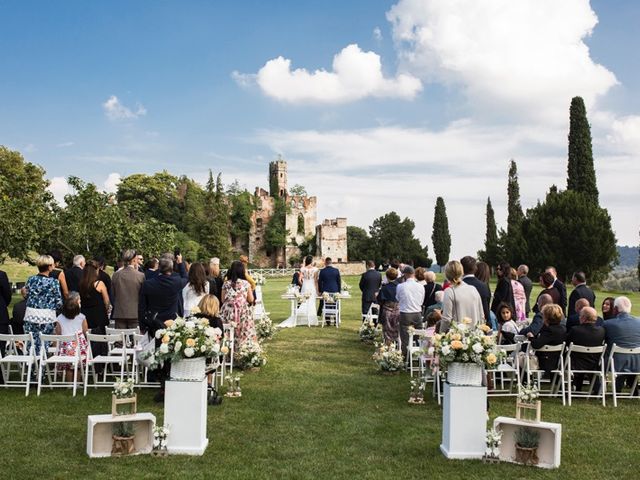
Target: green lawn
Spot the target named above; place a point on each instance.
(317, 409)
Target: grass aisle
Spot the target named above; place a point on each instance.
(318, 409)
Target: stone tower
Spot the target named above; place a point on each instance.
(278, 178)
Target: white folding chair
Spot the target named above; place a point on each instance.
(106, 361)
(417, 343)
(128, 346)
(622, 373)
(53, 356)
(372, 314)
(331, 312)
(509, 366)
(20, 351)
(226, 361)
(557, 373)
(595, 374)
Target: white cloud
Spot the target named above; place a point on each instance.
(527, 58)
(625, 134)
(112, 182)
(377, 34)
(356, 75)
(115, 110)
(59, 187)
(65, 144)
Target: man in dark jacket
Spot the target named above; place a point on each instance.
(370, 282)
(469, 267)
(587, 334)
(579, 281)
(160, 297)
(74, 274)
(328, 281)
(527, 284)
(5, 300)
(562, 289)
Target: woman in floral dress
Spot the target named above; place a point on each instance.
(236, 300)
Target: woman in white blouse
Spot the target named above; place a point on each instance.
(196, 289)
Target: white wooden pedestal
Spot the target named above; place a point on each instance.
(100, 431)
(464, 421)
(550, 440)
(185, 414)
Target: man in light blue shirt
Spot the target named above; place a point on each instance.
(410, 295)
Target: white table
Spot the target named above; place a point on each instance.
(464, 421)
(185, 414)
(550, 440)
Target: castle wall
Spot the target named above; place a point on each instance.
(331, 237)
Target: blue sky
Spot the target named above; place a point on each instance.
(425, 98)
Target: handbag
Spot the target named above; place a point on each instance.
(144, 352)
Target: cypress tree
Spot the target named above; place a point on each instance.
(491, 252)
(513, 241)
(441, 238)
(581, 174)
(215, 230)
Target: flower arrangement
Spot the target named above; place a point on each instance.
(265, 329)
(528, 405)
(528, 393)
(160, 435)
(329, 297)
(465, 343)
(418, 386)
(368, 331)
(184, 339)
(124, 389)
(302, 296)
(250, 355)
(494, 440)
(344, 286)
(388, 358)
(233, 385)
(123, 398)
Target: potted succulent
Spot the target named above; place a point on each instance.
(527, 441)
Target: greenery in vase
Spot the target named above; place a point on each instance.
(124, 429)
(527, 437)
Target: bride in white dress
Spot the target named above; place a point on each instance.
(306, 311)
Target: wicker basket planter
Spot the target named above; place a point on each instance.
(191, 369)
(526, 456)
(468, 374)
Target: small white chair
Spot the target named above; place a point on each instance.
(372, 314)
(105, 360)
(509, 365)
(331, 312)
(615, 373)
(226, 361)
(53, 356)
(127, 346)
(20, 351)
(557, 373)
(594, 373)
(414, 349)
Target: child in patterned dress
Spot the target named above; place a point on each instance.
(72, 322)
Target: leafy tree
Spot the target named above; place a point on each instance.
(242, 207)
(441, 238)
(359, 244)
(215, 229)
(491, 253)
(156, 196)
(298, 190)
(581, 172)
(275, 233)
(572, 233)
(26, 206)
(191, 197)
(514, 243)
(392, 238)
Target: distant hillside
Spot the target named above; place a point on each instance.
(628, 256)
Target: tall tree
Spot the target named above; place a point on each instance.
(514, 242)
(359, 244)
(581, 174)
(440, 237)
(393, 238)
(491, 252)
(215, 230)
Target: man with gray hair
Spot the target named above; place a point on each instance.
(74, 274)
(126, 285)
(527, 284)
(215, 279)
(586, 334)
(624, 331)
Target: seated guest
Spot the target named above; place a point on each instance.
(586, 334)
(551, 333)
(574, 318)
(537, 322)
(607, 308)
(389, 315)
(624, 331)
(507, 325)
(432, 320)
(72, 322)
(437, 305)
(210, 308)
(19, 309)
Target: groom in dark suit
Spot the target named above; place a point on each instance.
(328, 281)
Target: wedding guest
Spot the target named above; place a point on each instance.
(245, 261)
(19, 311)
(95, 305)
(586, 334)
(624, 331)
(562, 289)
(296, 280)
(196, 289)
(430, 289)
(546, 282)
(101, 264)
(527, 284)
(151, 268)
(551, 333)
(161, 297)
(43, 299)
(581, 290)
(519, 297)
(58, 272)
(237, 297)
(607, 308)
(460, 299)
(439, 296)
(536, 323)
(431, 321)
(389, 315)
(210, 309)
(508, 328)
(573, 320)
(370, 282)
(72, 322)
(504, 290)
(5, 300)
(73, 275)
(483, 273)
(126, 285)
(469, 268)
(420, 271)
(410, 295)
(215, 279)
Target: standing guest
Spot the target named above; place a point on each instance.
(245, 261)
(140, 259)
(460, 299)
(43, 299)
(420, 271)
(95, 305)
(624, 331)
(519, 297)
(215, 279)
(73, 275)
(19, 310)
(483, 273)
(5, 300)
(469, 268)
(527, 284)
(196, 289)
(72, 322)
(126, 286)
(551, 333)
(370, 282)
(607, 308)
(430, 289)
(586, 334)
(151, 268)
(328, 281)
(389, 307)
(58, 272)
(573, 320)
(160, 297)
(237, 297)
(562, 289)
(580, 290)
(410, 295)
(536, 323)
(508, 328)
(101, 264)
(504, 290)
(546, 282)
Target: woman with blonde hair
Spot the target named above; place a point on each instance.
(460, 299)
(551, 333)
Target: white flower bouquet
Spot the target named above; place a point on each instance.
(190, 338)
(329, 297)
(250, 355)
(124, 389)
(265, 329)
(388, 358)
(528, 393)
(160, 435)
(494, 440)
(368, 331)
(465, 343)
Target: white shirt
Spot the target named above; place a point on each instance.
(190, 299)
(410, 295)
